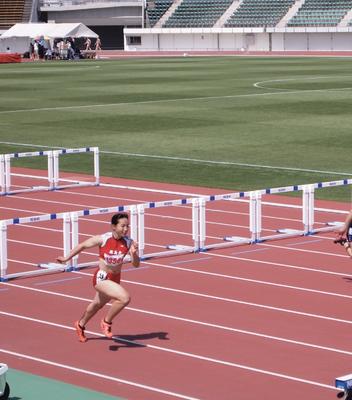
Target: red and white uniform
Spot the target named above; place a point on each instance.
(112, 251)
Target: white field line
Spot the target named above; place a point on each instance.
(255, 281)
(201, 323)
(213, 274)
(216, 326)
(95, 374)
(239, 366)
(52, 69)
(193, 160)
(189, 293)
(215, 254)
(163, 101)
(182, 353)
(261, 84)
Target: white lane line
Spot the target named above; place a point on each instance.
(96, 374)
(255, 281)
(206, 324)
(188, 293)
(195, 160)
(213, 274)
(233, 257)
(191, 355)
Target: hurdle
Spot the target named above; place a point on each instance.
(72, 183)
(196, 225)
(6, 176)
(228, 240)
(137, 229)
(345, 384)
(74, 228)
(46, 268)
(52, 178)
(255, 202)
(2, 175)
(71, 231)
(307, 207)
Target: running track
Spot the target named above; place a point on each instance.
(265, 321)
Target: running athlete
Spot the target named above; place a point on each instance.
(113, 247)
(344, 235)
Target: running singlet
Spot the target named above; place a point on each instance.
(112, 250)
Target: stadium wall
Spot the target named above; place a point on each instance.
(250, 39)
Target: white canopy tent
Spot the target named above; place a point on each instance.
(18, 37)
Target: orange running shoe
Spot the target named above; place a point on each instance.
(106, 328)
(80, 332)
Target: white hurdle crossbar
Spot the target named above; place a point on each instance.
(53, 173)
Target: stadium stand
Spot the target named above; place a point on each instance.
(11, 12)
(156, 9)
(253, 13)
(197, 13)
(126, 25)
(321, 13)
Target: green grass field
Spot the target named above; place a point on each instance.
(228, 122)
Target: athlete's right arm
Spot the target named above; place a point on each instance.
(87, 244)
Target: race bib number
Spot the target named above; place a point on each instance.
(101, 276)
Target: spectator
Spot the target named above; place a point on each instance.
(98, 44)
(87, 44)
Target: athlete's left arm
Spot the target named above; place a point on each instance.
(135, 260)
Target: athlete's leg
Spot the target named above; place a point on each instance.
(99, 301)
(347, 246)
(119, 296)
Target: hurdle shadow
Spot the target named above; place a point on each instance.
(133, 341)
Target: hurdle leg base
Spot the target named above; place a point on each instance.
(179, 247)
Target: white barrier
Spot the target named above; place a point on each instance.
(197, 225)
(71, 183)
(66, 238)
(52, 180)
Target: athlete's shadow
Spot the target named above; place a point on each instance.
(127, 341)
